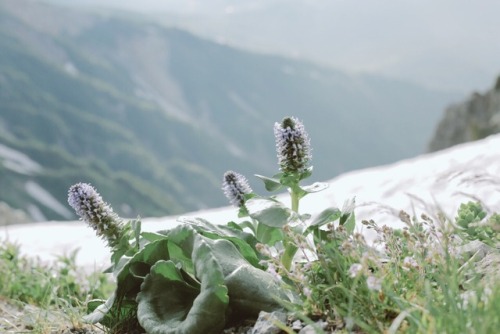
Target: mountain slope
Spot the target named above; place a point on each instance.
(154, 116)
(473, 119)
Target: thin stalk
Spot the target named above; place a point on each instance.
(295, 200)
(290, 247)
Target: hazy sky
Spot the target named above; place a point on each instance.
(445, 44)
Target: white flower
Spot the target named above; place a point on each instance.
(235, 187)
(374, 283)
(355, 270)
(271, 268)
(409, 262)
(292, 145)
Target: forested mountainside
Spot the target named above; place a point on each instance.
(154, 116)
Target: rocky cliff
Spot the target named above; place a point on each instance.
(473, 119)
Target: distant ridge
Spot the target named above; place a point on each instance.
(473, 119)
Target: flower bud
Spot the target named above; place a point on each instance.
(292, 145)
(235, 187)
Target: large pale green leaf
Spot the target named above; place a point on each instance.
(268, 212)
(245, 242)
(251, 290)
(129, 273)
(168, 305)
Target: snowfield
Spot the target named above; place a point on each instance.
(429, 183)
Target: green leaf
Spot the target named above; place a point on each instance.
(245, 242)
(129, 272)
(165, 302)
(350, 223)
(167, 306)
(290, 180)
(251, 290)
(326, 216)
(315, 187)
(106, 312)
(268, 212)
(307, 173)
(269, 235)
(152, 236)
(347, 218)
(139, 269)
(271, 184)
(240, 226)
(98, 309)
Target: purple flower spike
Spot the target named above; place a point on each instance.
(235, 187)
(292, 145)
(88, 204)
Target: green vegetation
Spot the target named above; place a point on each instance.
(58, 290)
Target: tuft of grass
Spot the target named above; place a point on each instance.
(46, 293)
(416, 279)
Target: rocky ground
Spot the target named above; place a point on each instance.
(16, 318)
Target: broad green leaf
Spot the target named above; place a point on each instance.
(129, 282)
(245, 242)
(350, 223)
(251, 290)
(315, 187)
(271, 184)
(269, 212)
(269, 235)
(139, 269)
(181, 256)
(326, 216)
(152, 236)
(167, 306)
(347, 218)
(242, 225)
(165, 301)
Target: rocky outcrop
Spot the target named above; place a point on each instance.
(10, 216)
(474, 119)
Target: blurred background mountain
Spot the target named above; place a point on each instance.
(153, 115)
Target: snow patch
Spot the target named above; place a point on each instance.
(18, 162)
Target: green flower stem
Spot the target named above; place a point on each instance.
(290, 248)
(295, 201)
